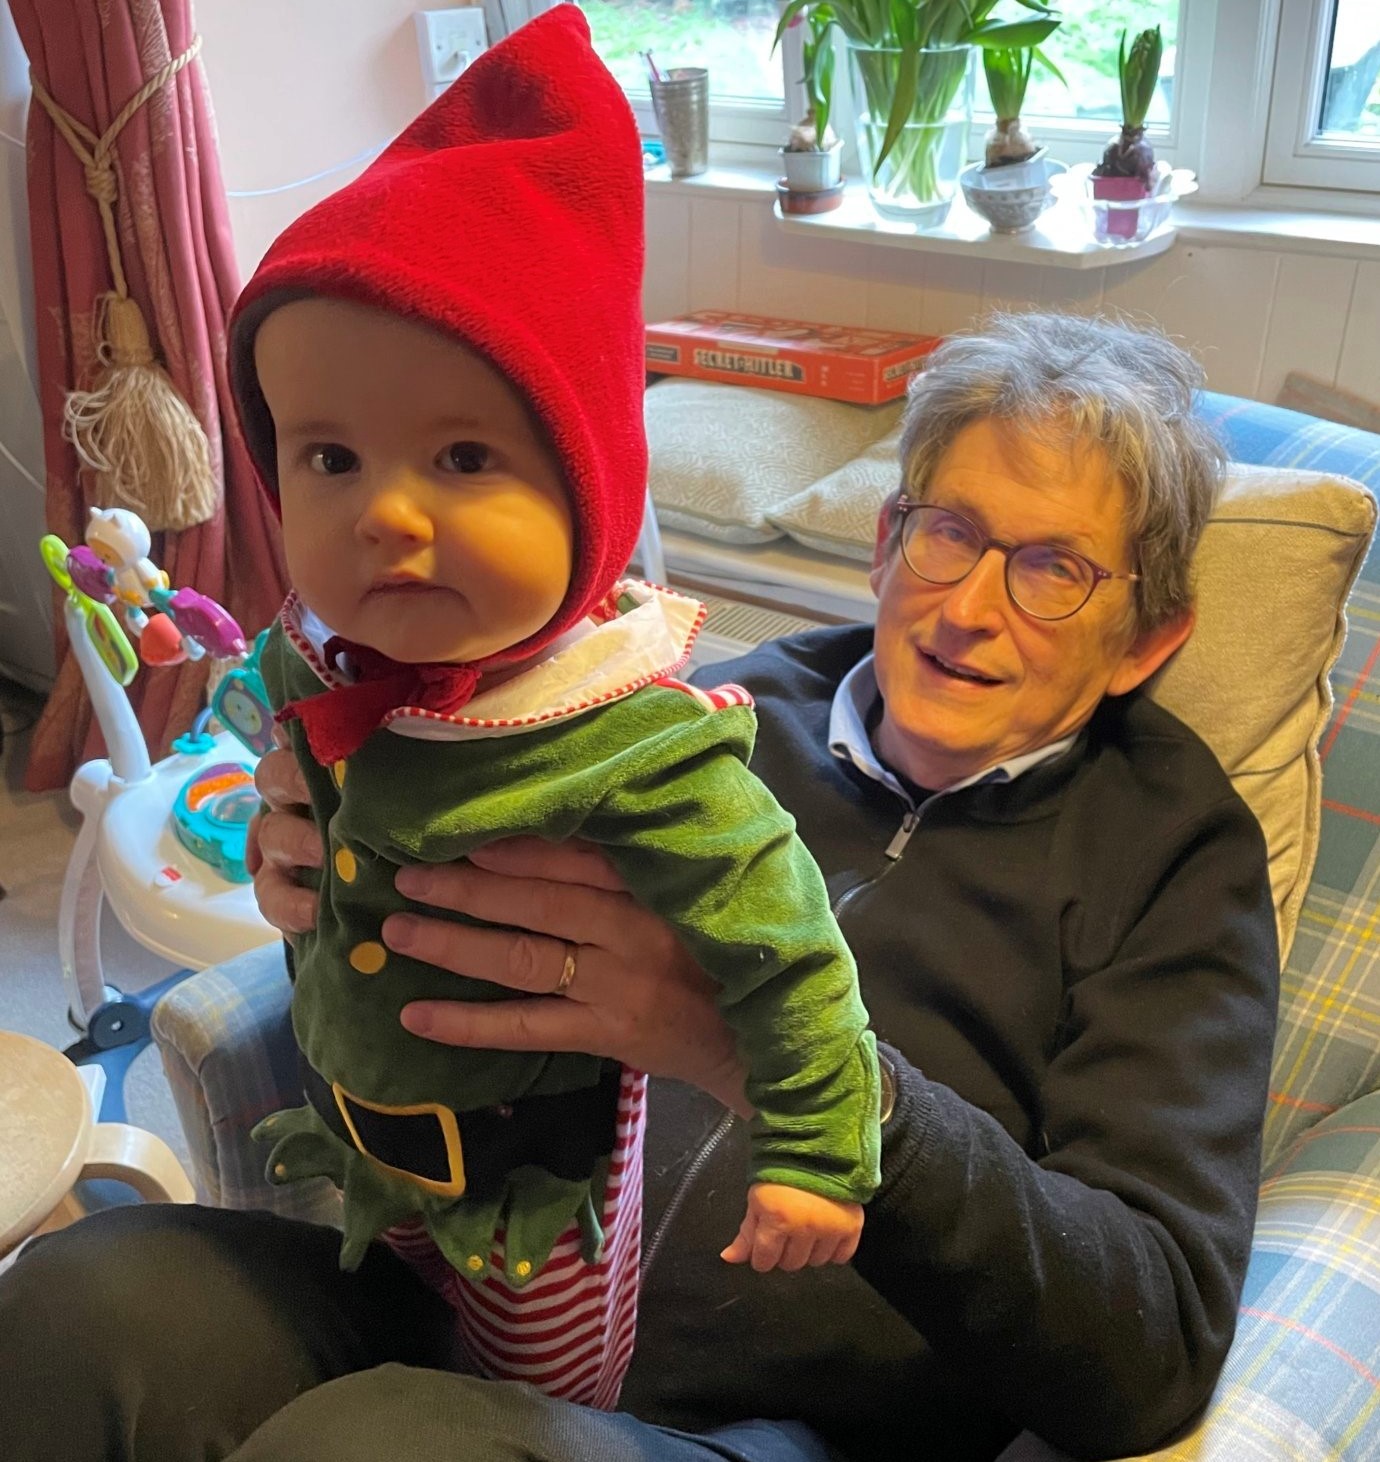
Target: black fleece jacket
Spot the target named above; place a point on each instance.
(1075, 976)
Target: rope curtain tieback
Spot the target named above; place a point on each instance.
(131, 428)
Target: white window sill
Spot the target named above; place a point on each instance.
(1059, 240)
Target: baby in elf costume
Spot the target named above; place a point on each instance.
(439, 371)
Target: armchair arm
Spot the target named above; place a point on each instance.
(225, 1036)
(1303, 1371)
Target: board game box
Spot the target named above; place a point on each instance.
(840, 362)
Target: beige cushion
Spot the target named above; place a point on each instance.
(838, 513)
(1273, 572)
(723, 456)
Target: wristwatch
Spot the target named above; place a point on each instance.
(888, 1087)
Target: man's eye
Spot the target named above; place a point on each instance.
(948, 530)
(1053, 564)
(333, 460)
(464, 457)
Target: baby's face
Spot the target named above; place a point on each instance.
(424, 512)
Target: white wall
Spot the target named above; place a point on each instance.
(299, 86)
(1251, 314)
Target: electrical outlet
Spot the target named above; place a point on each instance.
(449, 40)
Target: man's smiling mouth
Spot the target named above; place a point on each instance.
(955, 671)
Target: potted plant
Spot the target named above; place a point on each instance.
(1127, 172)
(910, 67)
(1010, 188)
(810, 160)
(1007, 69)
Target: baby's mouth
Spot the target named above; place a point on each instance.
(405, 584)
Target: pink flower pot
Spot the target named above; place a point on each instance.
(1121, 222)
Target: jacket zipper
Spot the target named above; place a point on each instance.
(894, 849)
(682, 1192)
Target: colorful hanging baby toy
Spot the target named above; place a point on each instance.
(124, 599)
(112, 572)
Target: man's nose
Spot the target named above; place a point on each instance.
(395, 513)
(979, 600)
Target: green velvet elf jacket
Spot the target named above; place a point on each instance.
(595, 742)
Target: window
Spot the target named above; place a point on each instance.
(1076, 120)
(1351, 95)
(1252, 92)
(754, 92)
(1085, 50)
(1324, 127)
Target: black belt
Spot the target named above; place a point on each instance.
(472, 1152)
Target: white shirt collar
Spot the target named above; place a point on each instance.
(853, 703)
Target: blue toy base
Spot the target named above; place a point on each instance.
(117, 1033)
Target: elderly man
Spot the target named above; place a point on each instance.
(1063, 928)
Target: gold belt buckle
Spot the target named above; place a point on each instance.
(453, 1186)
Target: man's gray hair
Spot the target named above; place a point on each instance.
(1077, 380)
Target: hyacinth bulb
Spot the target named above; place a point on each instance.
(804, 137)
(1008, 142)
(1128, 155)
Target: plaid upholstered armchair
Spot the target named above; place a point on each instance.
(1284, 554)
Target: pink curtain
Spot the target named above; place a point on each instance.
(93, 56)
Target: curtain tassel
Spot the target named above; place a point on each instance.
(134, 431)
(130, 427)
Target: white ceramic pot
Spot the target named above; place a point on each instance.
(811, 172)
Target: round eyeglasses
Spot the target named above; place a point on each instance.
(1044, 580)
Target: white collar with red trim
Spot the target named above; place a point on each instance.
(650, 635)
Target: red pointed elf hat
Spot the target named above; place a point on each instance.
(509, 214)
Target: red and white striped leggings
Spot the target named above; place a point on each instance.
(570, 1331)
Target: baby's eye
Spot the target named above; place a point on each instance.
(332, 460)
(464, 457)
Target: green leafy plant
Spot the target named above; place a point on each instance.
(1008, 69)
(817, 55)
(1129, 154)
(911, 62)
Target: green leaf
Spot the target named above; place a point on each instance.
(1043, 58)
(1121, 76)
(824, 90)
(1012, 34)
(1139, 70)
(1008, 74)
(787, 16)
(903, 99)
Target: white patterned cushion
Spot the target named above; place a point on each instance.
(838, 514)
(723, 457)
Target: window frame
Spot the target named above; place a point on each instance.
(1294, 155)
(745, 122)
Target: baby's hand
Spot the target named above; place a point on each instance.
(785, 1228)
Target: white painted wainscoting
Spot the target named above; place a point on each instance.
(1251, 313)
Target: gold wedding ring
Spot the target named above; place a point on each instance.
(567, 969)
